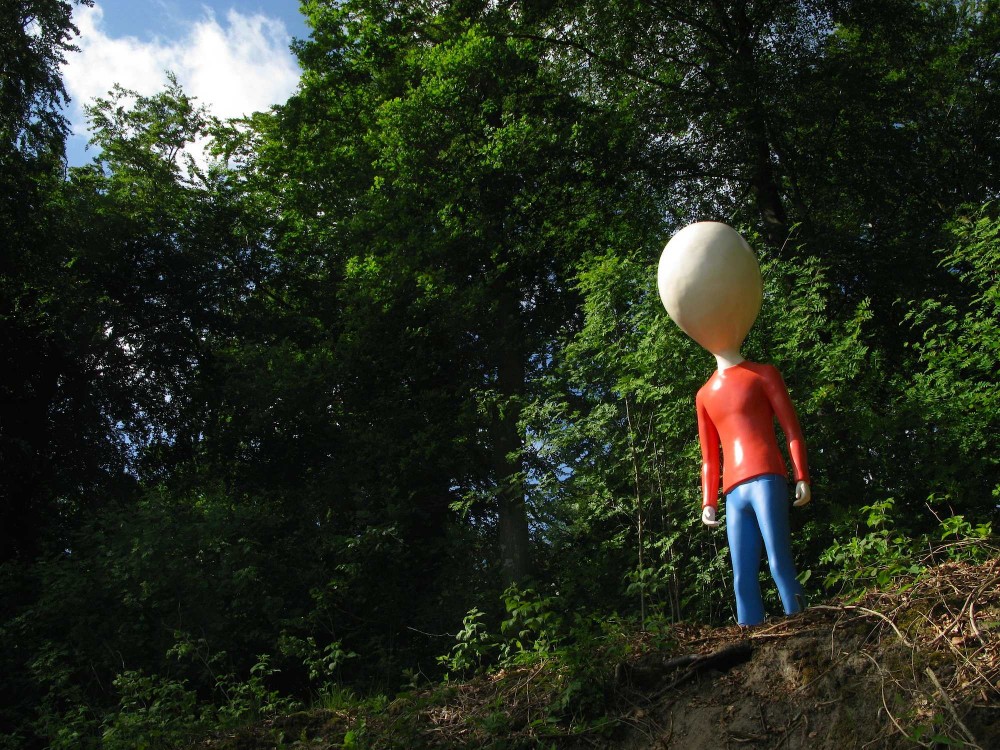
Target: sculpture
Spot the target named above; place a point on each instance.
(710, 284)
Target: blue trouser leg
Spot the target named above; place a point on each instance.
(756, 512)
(744, 547)
(772, 516)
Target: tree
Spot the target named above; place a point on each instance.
(161, 267)
(866, 126)
(953, 387)
(34, 37)
(453, 190)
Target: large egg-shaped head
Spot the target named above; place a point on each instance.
(710, 283)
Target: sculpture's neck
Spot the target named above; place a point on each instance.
(727, 359)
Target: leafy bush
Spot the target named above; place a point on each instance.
(154, 712)
(885, 552)
(475, 647)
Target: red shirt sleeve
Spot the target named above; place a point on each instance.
(708, 436)
(777, 394)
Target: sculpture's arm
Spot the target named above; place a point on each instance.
(708, 436)
(781, 403)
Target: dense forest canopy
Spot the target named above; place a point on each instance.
(398, 345)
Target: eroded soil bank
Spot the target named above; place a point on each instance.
(915, 666)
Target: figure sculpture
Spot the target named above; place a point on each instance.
(710, 284)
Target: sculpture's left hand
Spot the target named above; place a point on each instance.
(802, 494)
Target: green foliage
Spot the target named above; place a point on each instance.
(958, 349)
(250, 700)
(857, 562)
(153, 713)
(875, 559)
(475, 647)
(532, 625)
(934, 733)
(592, 652)
(531, 629)
(322, 663)
(957, 528)
(238, 701)
(577, 652)
(159, 712)
(34, 39)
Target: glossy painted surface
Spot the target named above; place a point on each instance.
(736, 410)
(756, 517)
(710, 284)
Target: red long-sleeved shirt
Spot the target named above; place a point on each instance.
(736, 408)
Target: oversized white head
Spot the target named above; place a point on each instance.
(710, 283)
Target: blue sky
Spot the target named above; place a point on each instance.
(231, 54)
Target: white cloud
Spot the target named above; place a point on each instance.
(235, 68)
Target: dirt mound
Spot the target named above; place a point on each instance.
(915, 666)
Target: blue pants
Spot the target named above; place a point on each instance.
(756, 512)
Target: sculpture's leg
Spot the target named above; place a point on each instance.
(744, 548)
(770, 502)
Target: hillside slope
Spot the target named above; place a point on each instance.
(917, 665)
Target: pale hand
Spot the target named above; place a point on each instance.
(802, 494)
(708, 516)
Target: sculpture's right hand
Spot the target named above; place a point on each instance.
(708, 516)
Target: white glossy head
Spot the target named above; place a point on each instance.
(709, 281)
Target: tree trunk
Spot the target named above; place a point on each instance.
(767, 194)
(515, 552)
(763, 173)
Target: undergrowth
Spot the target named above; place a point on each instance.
(538, 674)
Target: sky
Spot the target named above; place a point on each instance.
(232, 55)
